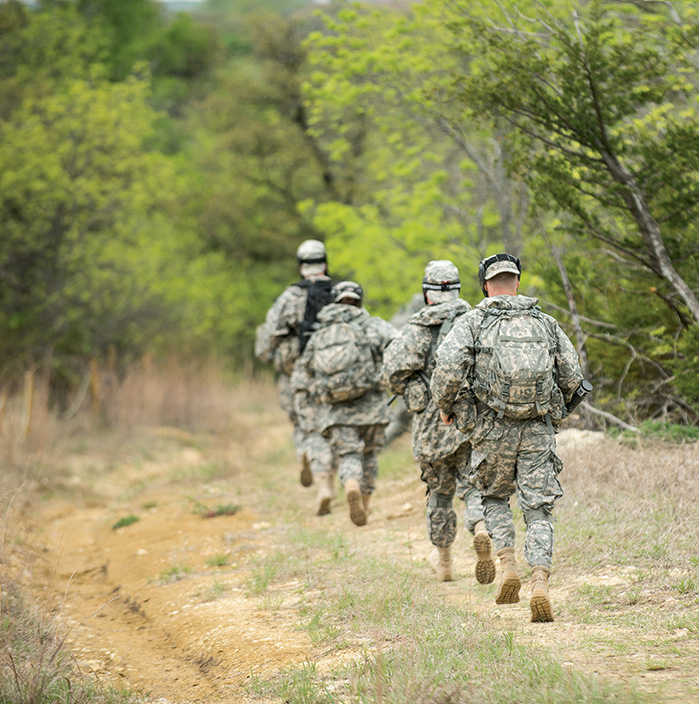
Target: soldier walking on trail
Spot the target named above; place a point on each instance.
(401, 418)
(441, 451)
(283, 336)
(507, 370)
(339, 370)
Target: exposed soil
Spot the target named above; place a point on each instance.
(201, 637)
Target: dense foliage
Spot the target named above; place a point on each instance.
(158, 170)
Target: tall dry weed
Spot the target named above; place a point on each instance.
(630, 505)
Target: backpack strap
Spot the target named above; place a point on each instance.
(318, 294)
(439, 332)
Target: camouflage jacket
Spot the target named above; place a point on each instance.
(411, 353)
(369, 409)
(277, 339)
(456, 356)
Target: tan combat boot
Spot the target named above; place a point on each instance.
(356, 505)
(508, 589)
(324, 497)
(485, 565)
(542, 610)
(441, 564)
(306, 474)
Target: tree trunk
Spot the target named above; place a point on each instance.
(650, 231)
(573, 307)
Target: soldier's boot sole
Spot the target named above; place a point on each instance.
(542, 611)
(540, 603)
(508, 591)
(306, 474)
(440, 566)
(356, 505)
(485, 565)
(323, 505)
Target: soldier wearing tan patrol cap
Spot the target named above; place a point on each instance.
(505, 373)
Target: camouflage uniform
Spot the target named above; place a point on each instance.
(354, 428)
(509, 455)
(277, 341)
(442, 452)
(401, 418)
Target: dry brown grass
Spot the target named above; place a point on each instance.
(193, 397)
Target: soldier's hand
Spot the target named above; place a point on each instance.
(446, 419)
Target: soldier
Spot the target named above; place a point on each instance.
(506, 370)
(441, 451)
(283, 336)
(340, 371)
(401, 418)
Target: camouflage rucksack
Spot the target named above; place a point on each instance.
(343, 362)
(514, 371)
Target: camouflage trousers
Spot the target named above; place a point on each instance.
(319, 453)
(443, 478)
(286, 401)
(354, 450)
(517, 457)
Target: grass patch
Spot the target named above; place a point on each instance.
(34, 665)
(125, 521)
(216, 590)
(659, 430)
(174, 574)
(228, 509)
(222, 560)
(407, 644)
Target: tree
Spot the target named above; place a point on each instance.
(604, 124)
(78, 197)
(429, 184)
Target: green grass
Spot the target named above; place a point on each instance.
(174, 574)
(125, 521)
(659, 430)
(222, 560)
(409, 645)
(205, 511)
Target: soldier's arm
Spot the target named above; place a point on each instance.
(287, 311)
(405, 356)
(567, 364)
(454, 358)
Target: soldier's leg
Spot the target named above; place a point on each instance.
(493, 461)
(348, 449)
(298, 436)
(440, 478)
(320, 459)
(466, 491)
(474, 517)
(538, 489)
(374, 438)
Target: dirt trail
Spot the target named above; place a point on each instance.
(199, 639)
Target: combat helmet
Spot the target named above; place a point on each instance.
(441, 275)
(497, 264)
(311, 252)
(348, 289)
